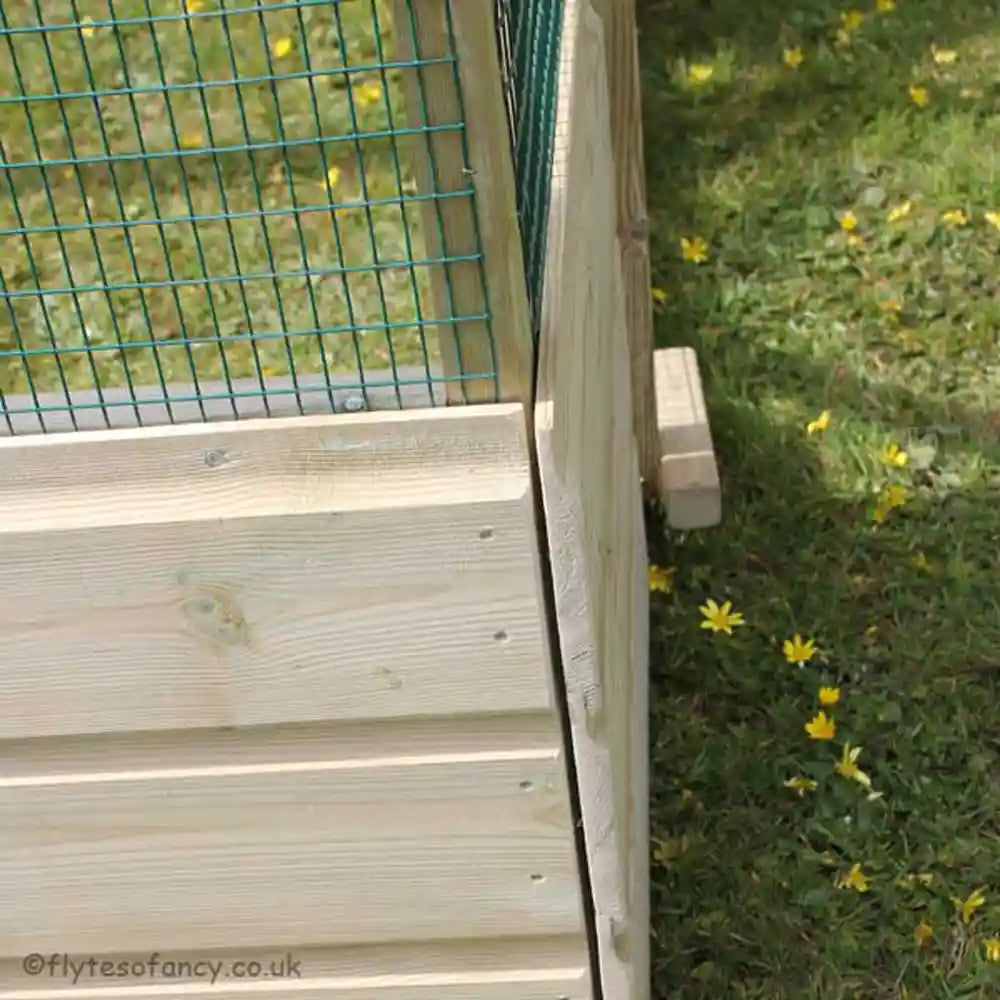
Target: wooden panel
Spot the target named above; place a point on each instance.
(560, 985)
(147, 406)
(590, 482)
(624, 92)
(521, 968)
(243, 854)
(358, 566)
(479, 160)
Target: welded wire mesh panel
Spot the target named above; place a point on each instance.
(529, 43)
(206, 211)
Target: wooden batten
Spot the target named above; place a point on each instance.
(464, 86)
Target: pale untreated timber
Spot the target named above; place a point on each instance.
(624, 91)
(561, 984)
(520, 968)
(688, 475)
(285, 685)
(315, 568)
(476, 156)
(210, 402)
(230, 856)
(590, 483)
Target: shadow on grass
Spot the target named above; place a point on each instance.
(687, 137)
(906, 614)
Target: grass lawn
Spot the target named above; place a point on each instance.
(887, 318)
(303, 216)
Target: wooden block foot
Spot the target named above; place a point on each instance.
(689, 478)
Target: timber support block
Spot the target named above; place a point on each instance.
(688, 476)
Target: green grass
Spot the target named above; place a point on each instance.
(228, 321)
(789, 320)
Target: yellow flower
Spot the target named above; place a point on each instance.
(954, 217)
(694, 249)
(894, 456)
(800, 785)
(281, 47)
(799, 650)
(851, 19)
(847, 766)
(923, 933)
(919, 95)
(993, 218)
(820, 727)
(368, 93)
(885, 6)
(87, 29)
(332, 177)
(700, 73)
(819, 424)
(793, 58)
(891, 305)
(943, 57)
(722, 619)
(992, 946)
(895, 496)
(848, 222)
(192, 6)
(900, 212)
(829, 696)
(192, 140)
(921, 562)
(879, 513)
(659, 295)
(967, 907)
(661, 578)
(854, 879)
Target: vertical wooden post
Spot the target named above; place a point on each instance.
(618, 19)
(589, 472)
(449, 161)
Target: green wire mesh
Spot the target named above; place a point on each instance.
(529, 53)
(205, 213)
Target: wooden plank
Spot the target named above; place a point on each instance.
(688, 475)
(286, 743)
(590, 483)
(521, 968)
(147, 406)
(320, 568)
(242, 855)
(570, 984)
(476, 159)
(622, 60)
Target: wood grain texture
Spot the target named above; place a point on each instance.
(519, 968)
(478, 161)
(625, 97)
(223, 856)
(367, 566)
(689, 477)
(284, 685)
(560, 984)
(590, 484)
